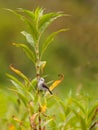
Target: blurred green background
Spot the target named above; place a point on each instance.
(74, 53)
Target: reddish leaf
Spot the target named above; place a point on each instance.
(32, 120)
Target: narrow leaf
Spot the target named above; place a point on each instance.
(18, 72)
(49, 39)
(47, 122)
(17, 14)
(82, 120)
(21, 95)
(27, 12)
(17, 120)
(33, 84)
(16, 85)
(47, 19)
(38, 14)
(63, 106)
(27, 50)
(91, 111)
(79, 105)
(30, 95)
(31, 24)
(29, 38)
(83, 123)
(33, 28)
(19, 89)
(15, 80)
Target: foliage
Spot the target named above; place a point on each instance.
(34, 104)
(37, 110)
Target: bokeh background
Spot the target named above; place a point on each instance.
(73, 53)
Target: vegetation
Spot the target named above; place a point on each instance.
(36, 110)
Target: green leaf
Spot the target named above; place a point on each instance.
(47, 122)
(33, 84)
(91, 111)
(83, 123)
(27, 12)
(62, 106)
(21, 96)
(34, 31)
(16, 82)
(68, 120)
(34, 21)
(30, 23)
(49, 39)
(79, 117)
(31, 95)
(18, 88)
(17, 14)
(27, 50)
(79, 105)
(4, 102)
(47, 19)
(38, 14)
(29, 38)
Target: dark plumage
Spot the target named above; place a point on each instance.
(43, 86)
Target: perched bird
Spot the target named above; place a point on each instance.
(43, 86)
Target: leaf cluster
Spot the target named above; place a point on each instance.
(37, 22)
(41, 111)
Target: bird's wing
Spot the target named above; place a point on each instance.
(45, 86)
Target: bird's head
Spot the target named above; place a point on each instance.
(41, 80)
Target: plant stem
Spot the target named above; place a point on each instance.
(39, 119)
(37, 61)
(38, 76)
(93, 125)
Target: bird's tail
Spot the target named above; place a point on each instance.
(50, 91)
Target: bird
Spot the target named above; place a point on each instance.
(42, 85)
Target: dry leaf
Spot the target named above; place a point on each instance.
(57, 82)
(18, 72)
(42, 65)
(16, 119)
(32, 120)
(43, 108)
(11, 127)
